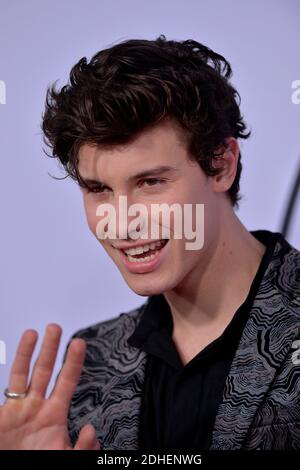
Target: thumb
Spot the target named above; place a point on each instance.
(87, 439)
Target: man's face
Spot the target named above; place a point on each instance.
(183, 182)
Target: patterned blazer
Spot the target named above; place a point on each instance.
(260, 408)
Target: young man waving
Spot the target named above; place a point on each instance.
(209, 360)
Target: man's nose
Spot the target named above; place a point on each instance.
(124, 226)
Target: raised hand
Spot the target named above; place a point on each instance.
(34, 422)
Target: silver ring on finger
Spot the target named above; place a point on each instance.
(14, 395)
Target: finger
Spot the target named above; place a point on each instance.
(87, 439)
(69, 374)
(44, 364)
(20, 369)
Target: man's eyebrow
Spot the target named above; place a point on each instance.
(159, 170)
(91, 182)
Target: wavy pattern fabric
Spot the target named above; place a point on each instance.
(260, 408)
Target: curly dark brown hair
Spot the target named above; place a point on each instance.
(132, 86)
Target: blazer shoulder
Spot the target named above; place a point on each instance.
(288, 275)
(121, 323)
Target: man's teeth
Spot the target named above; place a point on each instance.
(139, 260)
(143, 249)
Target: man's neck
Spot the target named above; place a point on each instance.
(205, 302)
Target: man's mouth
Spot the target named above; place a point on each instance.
(145, 252)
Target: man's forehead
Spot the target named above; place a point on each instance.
(143, 154)
(165, 134)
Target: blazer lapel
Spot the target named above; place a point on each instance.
(265, 342)
(122, 393)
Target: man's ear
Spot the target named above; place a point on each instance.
(227, 162)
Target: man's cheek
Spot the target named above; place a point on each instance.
(92, 221)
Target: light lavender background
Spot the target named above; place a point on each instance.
(52, 269)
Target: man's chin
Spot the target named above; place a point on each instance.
(145, 291)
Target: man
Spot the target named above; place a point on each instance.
(208, 361)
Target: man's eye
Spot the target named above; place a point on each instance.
(96, 189)
(153, 181)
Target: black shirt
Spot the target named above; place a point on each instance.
(180, 402)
